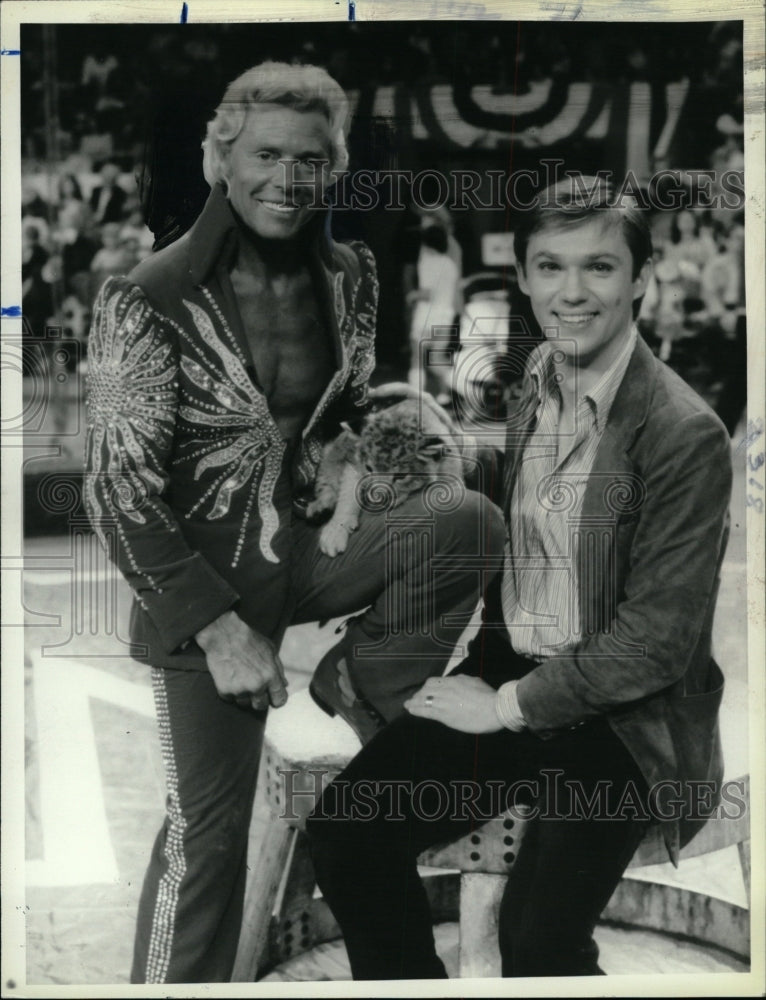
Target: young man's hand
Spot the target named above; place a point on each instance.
(245, 665)
(460, 702)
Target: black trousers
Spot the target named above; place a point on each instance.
(418, 783)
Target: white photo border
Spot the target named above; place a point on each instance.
(167, 12)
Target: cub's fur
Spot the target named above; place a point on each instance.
(406, 445)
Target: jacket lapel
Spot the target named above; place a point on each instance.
(614, 491)
(213, 242)
(329, 283)
(626, 417)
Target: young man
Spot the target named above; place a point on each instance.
(589, 691)
(216, 371)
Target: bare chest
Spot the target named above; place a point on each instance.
(289, 343)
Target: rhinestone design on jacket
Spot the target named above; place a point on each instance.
(172, 411)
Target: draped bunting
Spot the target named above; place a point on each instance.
(638, 119)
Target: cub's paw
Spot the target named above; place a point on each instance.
(333, 538)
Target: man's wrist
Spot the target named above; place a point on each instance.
(507, 707)
(208, 634)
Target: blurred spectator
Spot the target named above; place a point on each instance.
(433, 302)
(77, 251)
(663, 304)
(108, 199)
(685, 242)
(441, 218)
(96, 140)
(32, 204)
(33, 254)
(73, 160)
(68, 188)
(72, 212)
(727, 159)
(722, 278)
(112, 258)
(687, 253)
(74, 318)
(131, 250)
(134, 227)
(38, 307)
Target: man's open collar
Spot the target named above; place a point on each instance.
(540, 368)
(627, 414)
(214, 236)
(539, 365)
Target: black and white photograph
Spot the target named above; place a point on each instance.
(384, 474)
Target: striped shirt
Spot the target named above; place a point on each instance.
(540, 587)
(540, 594)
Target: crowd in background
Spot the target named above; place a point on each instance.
(88, 227)
(694, 311)
(84, 218)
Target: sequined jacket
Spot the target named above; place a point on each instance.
(189, 483)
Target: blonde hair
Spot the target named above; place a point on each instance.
(303, 88)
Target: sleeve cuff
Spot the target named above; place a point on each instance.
(190, 595)
(508, 709)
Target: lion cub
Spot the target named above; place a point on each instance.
(405, 443)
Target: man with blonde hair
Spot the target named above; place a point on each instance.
(217, 369)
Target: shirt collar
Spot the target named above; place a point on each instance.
(601, 396)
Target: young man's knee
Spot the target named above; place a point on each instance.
(329, 822)
(336, 841)
(352, 815)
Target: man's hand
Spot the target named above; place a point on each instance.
(245, 665)
(463, 703)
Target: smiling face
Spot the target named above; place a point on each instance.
(267, 162)
(580, 281)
